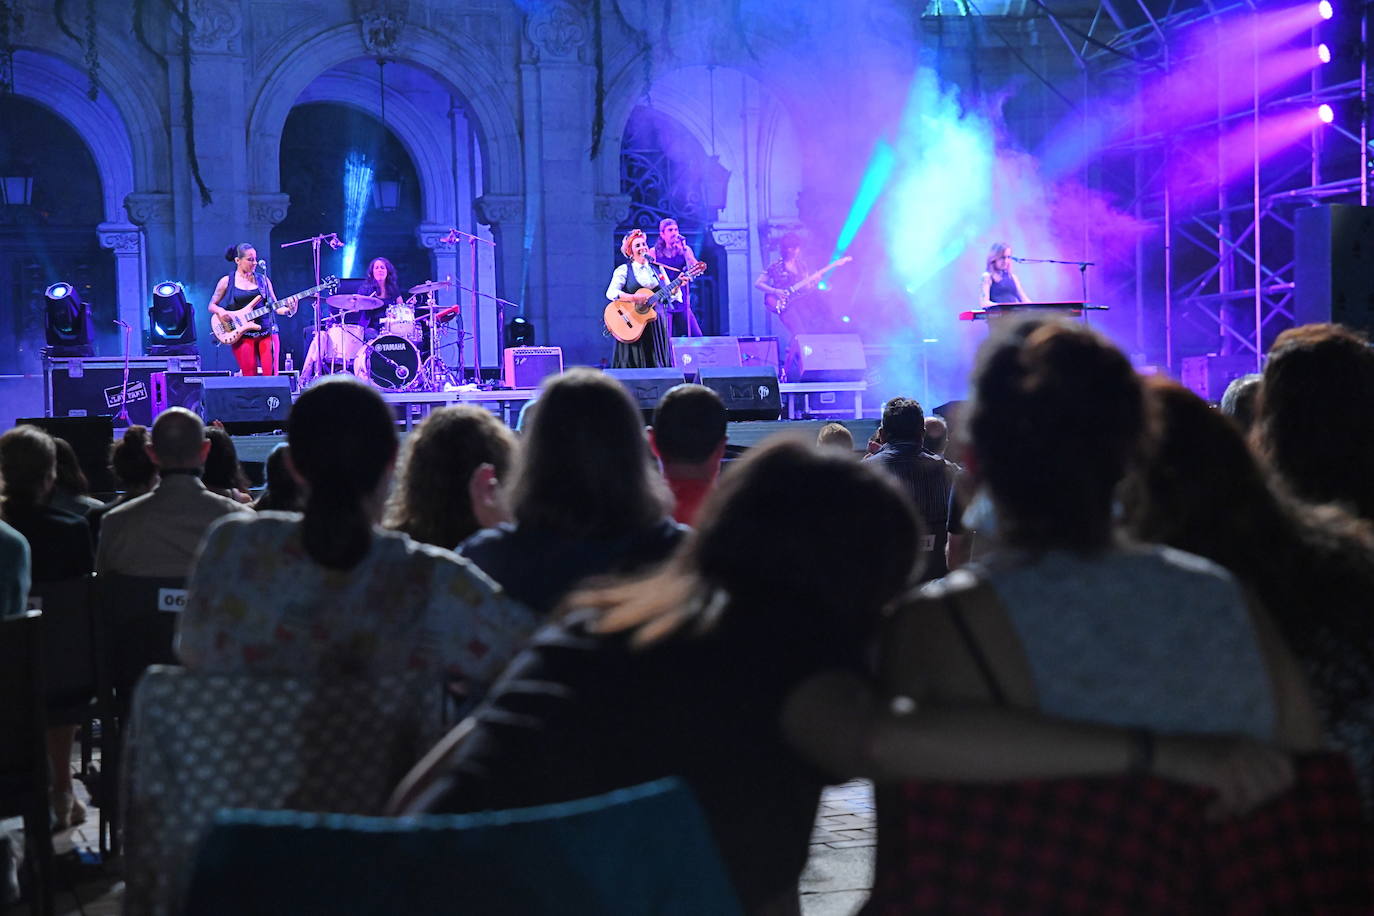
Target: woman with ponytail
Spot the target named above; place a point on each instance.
(256, 351)
(328, 591)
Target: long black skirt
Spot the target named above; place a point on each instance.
(651, 351)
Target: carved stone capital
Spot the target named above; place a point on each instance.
(494, 209)
(557, 32)
(124, 238)
(148, 207)
(215, 25)
(613, 208)
(268, 209)
(731, 239)
(432, 235)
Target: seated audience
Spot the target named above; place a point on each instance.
(1310, 567)
(72, 491)
(450, 482)
(1315, 419)
(331, 592)
(585, 497)
(59, 549)
(836, 435)
(704, 668)
(937, 436)
(134, 471)
(1239, 399)
(688, 436)
(223, 473)
(282, 492)
(14, 569)
(928, 480)
(157, 534)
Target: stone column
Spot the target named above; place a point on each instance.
(505, 215)
(153, 212)
(131, 279)
(264, 212)
(745, 317)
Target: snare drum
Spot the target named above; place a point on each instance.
(400, 320)
(389, 362)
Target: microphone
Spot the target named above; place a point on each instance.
(122, 324)
(451, 238)
(1020, 260)
(334, 241)
(262, 265)
(649, 256)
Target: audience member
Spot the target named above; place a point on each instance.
(14, 569)
(59, 549)
(836, 435)
(331, 592)
(688, 436)
(134, 470)
(72, 491)
(585, 496)
(450, 482)
(223, 474)
(1315, 419)
(1239, 399)
(283, 492)
(927, 479)
(1311, 567)
(937, 436)
(157, 534)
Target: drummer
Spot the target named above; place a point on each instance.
(381, 283)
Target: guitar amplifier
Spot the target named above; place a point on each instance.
(826, 358)
(527, 367)
(693, 353)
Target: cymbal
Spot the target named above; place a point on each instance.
(430, 286)
(354, 303)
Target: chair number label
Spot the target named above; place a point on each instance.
(172, 600)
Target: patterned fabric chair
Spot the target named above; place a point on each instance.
(198, 743)
(633, 852)
(1128, 845)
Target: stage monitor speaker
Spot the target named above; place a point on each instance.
(180, 389)
(261, 400)
(1208, 376)
(647, 386)
(90, 438)
(693, 353)
(527, 367)
(1333, 271)
(759, 351)
(826, 358)
(749, 393)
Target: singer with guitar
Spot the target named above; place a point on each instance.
(257, 348)
(632, 284)
(1000, 285)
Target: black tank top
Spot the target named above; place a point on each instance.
(1004, 290)
(679, 262)
(238, 298)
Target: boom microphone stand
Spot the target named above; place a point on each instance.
(1081, 265)
(454, 235)
(333, 239)
(124, 388)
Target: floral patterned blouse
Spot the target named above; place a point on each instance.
(258, 603)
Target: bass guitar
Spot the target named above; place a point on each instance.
(626, 320)
(230, 326)
(777, 302)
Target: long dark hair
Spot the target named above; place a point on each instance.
(282, 493)
(222, 468)
(1315, 419)
(392, 288)
(343, 439)
(430, 501)
(765, 558)
(585, 467)
(1058, 416)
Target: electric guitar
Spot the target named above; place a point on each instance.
(626, 320)
(777, 302)
(230, 326)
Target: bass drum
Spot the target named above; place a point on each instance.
(389, 362)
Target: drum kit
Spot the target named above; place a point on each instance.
(404, 356)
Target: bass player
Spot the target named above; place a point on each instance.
(635, 281)
(256, 349)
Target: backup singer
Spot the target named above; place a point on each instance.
(256, 350)
(1000, 285)
(672, 250)
(633, 282)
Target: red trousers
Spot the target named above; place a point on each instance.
(252, 352)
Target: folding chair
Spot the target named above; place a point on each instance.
(23, 749)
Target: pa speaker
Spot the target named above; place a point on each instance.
(526, 367)
(826, 358)
(181, 389)
(749, 393)
(647, 386)
(90, 438)
(693, 353)
(260, 399)
(1333, 271)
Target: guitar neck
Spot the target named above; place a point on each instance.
(269, 306)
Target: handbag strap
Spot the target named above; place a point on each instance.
(980, 658)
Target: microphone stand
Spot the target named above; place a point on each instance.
(124, 388)
(1081, 265)
(315, 240)
(454, 235)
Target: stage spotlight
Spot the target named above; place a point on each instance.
(67, 322)
(1325, 114)
(1324, 9)
(1323, 53)
(171, 321)
(519, 333)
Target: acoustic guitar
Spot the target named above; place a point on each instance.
(626, 320)
(777, 302)
(230, 326)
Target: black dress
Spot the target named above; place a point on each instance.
(651, 351)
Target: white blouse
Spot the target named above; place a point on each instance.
(644, 274)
